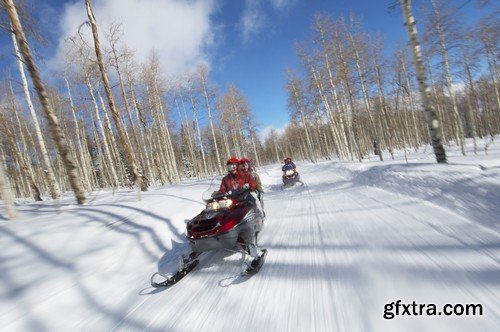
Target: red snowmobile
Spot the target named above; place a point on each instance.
(230, 221)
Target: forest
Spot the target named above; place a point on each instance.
(106, 120)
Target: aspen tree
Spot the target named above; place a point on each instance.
(53, 121)
(55, 192)
(203, 79)
(432, 120)
(5, 188)
(136, 176)
(296, 102)
(438, 26)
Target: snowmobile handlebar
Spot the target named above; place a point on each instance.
(237, 194)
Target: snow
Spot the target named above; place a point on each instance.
(356, 237)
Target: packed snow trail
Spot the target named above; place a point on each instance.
(340, 248)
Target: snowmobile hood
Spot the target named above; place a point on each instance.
(211, 223)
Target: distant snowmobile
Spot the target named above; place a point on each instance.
(290, 177)
(290, 174)
(230, 221)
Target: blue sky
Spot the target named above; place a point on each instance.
(257, 65)
(246, 42)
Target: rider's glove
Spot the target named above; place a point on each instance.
(246, 186)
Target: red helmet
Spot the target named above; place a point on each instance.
(245, 160)
(245, 164)
(232, 164)
(288, 160)
(232, 160)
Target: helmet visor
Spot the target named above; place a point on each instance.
(231, 167)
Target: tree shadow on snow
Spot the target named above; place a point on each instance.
(179, 197)
(167, 221)
(124, 225)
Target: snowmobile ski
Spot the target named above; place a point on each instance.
(172, 280)
(256, 264)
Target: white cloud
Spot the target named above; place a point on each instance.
(267, 130)
(256, 16)
(281, 4)
(252, 20)
(178, 31)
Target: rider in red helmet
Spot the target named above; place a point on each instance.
(245, 166)
(235, 180)
(288, 164)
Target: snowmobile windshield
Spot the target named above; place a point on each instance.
(222, 203)
(213, 187)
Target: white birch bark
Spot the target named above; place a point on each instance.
(55, 192)
(112, 170)
(333, 88)
(137, 177)
(5, 189)
(459, 132)
(297, 99)
(432, 120)
(53, 121)
(80, 153)
(203, 80)
(198, 132)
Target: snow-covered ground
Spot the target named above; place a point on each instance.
(355, 238)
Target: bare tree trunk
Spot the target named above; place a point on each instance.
(386, 121)
(333, 87)
(5, 189)
(297, 99)
(203, 79)
(23, 185)
(164, 124)
(191, 138)
(226, 143)
(137, 177)
(113, 41)
(80, 153)
(24, 167)
(163, 152)
(432, 119)
(142, 130)
(237, 131)
(254, 146)
(24, 139)
(276, 149)
(471, 96)
(55, 130)
(86, 157)
(355, 120)
(195, 116)
(112, 169)
(111, 137)
(242, 142)
(492, 65)
(355, 135)
(55, 192)
(236, 142)
(459, 134)
(104, 178)
(374, 134)
(343, 150)
(416, 139)
(440, 113)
